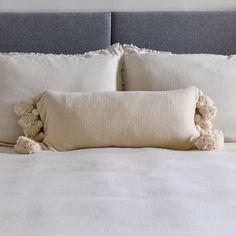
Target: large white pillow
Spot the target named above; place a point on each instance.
(24, 76)
(214, 74)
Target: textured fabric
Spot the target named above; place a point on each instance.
(179, 32)
(67, 33)
(120, 119)
(25, 76)
(215, 75)
(182, 32)
(70, 33)
(118, 192)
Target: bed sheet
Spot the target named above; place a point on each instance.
(114, 192)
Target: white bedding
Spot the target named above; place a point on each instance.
(118, 192)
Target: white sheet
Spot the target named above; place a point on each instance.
(118, 192)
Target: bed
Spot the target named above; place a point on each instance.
(115, 191)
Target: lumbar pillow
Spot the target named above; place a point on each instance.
(23, 76)
(179, 119)
(214, 74)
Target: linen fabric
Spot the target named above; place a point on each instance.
(25, 76)
(215, 75)
(118, 191)
(121, 119)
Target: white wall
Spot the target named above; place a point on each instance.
(114, 5)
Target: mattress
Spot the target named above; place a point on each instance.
(114, 192)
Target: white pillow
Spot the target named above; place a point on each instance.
(178, 119)
(214, 74)
(24, 76)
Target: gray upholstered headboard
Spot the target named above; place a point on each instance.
(178, 32)
(70, 33)
(67, 33)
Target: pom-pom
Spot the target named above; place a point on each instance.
(32, 128)
(23, 108)
(32, 131)
(35, 112)
(39, 124)
(30, 122)
(205, 125)
(208, 141)
(26, 145)
(207, 112)
(199, 104)
(204, 100)
(27, 120)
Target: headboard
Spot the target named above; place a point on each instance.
(70, 33)
(178, 32)
(67, 33)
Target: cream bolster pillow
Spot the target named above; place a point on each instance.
(214, 74)
(122, 119)
(25, 75)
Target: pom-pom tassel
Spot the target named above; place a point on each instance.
(27, 120)
(23, 108)
(208, 141)
(26, 145)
